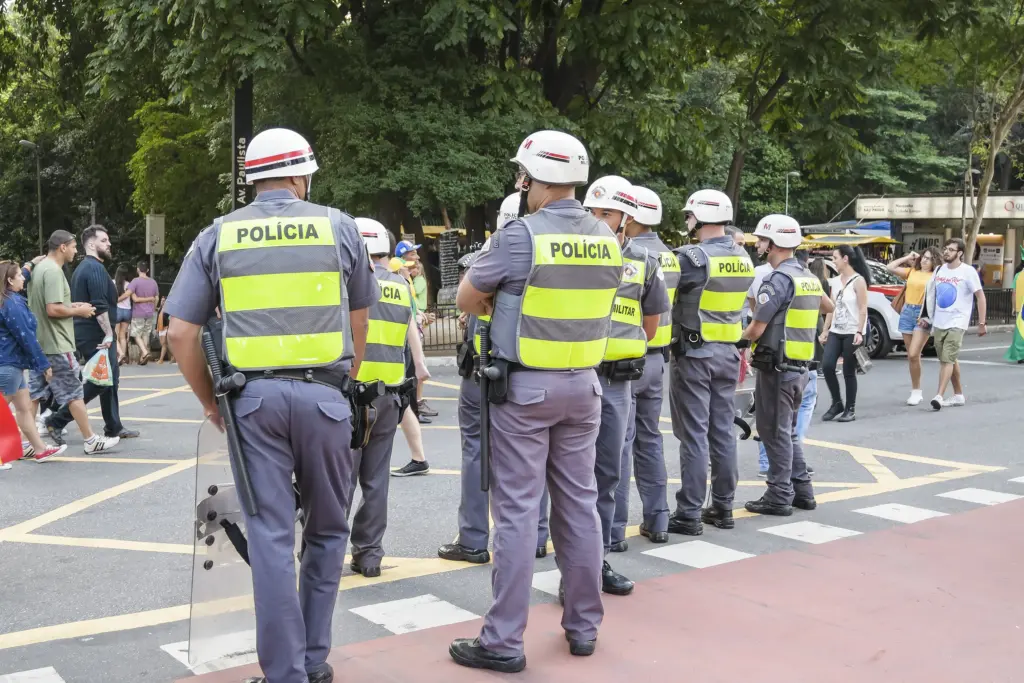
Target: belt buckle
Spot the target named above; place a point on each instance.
(307, 375)
(693, 337)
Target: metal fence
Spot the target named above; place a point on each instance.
(443, 334)
(1000, 307)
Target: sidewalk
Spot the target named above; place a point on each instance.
(939, 601)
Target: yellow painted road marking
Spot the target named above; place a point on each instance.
(910, 458)
(432, 383)
(173, 374)
(104, 543)
(133, 461)
(143, 388)
(146, 397)
(404, 568)
(87, 502)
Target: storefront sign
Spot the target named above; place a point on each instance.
(946, 207)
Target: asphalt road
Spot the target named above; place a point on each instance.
(95, 552)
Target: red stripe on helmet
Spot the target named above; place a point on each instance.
(278, 157)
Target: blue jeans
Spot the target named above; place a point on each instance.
(803, 418)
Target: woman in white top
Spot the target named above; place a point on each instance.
(845, 329)
(123, 316)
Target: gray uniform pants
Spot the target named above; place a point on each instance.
(474, 526)
(371, 471)
(547, 429)
(701, 397)
(778, 403)
(615, 404)
(289, 426)
(644, 447)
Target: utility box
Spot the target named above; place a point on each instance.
(155, 234)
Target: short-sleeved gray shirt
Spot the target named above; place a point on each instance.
(196, 291)
(505, 261)
(654, 300)
(775, 294)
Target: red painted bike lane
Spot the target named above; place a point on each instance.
(939, 601)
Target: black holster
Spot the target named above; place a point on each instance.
(497, 389)
(406, 392)
(684, 339)
(466, 357)
(623, 370)
(361, 396)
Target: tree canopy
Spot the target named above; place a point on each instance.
(415, 106)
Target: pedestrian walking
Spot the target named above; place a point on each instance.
(643, 453)
(389, 338)
(49, 298)
(91, 284)
(550, 279)
(20, 351)
(949, 304)
(845, 329)
(1015, 354)
(294, 285)
(783, 329)
(917, 270)
(474, 523)
(639, 304)
(145, 295)
(123, 314)
(713, 282)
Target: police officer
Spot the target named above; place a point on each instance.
(643, 446)
(293, 282)
(389, 337)
(550, 279)
(784, 329)
(713, 282)
(639, 304)
(474, 525)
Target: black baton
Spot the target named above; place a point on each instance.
(222, 387)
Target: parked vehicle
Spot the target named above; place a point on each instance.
(884, 322)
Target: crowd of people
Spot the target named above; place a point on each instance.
(50, 328)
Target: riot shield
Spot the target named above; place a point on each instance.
(222, 623)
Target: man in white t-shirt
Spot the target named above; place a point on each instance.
(951, 296)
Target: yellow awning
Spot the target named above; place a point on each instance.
(811, 241)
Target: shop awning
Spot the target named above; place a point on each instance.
(812, 241)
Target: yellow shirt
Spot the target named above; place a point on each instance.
(917, 284)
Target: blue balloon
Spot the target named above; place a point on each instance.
(945, 295)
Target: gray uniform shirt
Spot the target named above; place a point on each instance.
(693, 272)
(654, 300)
(196, 290)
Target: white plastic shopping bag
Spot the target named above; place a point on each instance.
(97, 370)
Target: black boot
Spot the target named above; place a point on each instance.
(685, 526)
(367, 572)
(614, 583)
(456, 552)
(848, 415)
(621, 546)
(580, 648)
(805, 503)
(718, 516)
(765, 507)
(469, 652)
(831, 413)
(653, 536)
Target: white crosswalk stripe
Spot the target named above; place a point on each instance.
(897, 512)
(221, 652)
(698, 554)
(810, 532)
(1018, 480)
(414, 614)
(47, 675)
(547, 582)
(979, 496)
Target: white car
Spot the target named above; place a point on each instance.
(884, 328)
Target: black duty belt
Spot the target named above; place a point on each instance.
(312, 375)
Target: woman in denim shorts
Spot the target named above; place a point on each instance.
(20, 351)
(917, 270)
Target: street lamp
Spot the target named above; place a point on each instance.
(39, 188)
(793, 174)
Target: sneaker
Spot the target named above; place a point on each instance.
(763, 474)
(27, 450)
(956, 401)
(915, 398)
(412, 468)
(50, 453)
(100, 444)
(938, 402)
(5, 465)
(426, 410)
(55, 436)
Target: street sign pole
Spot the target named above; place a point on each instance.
(241, 134)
